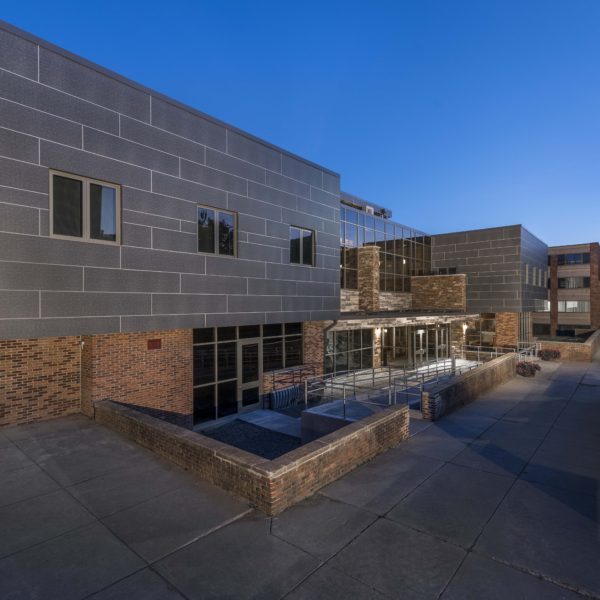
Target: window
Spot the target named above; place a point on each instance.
(302, 243)
(216, 231)
(573, 259)
(570, 283)
(349, 350)
(573, 306)
(84, 208)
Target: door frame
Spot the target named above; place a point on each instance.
(251, 384)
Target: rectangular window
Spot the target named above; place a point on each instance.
(84, 208)
(302, 242)
(216, 231)
(570, 283)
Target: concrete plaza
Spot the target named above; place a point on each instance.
(498, 500)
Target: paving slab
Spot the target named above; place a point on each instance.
(480, 578)
(68, 567)
(400, 562)
(328, 582)
(12, 458)
(121, 488)
(321, 526)
(453, 504)
(164, 524)
(50, 428)
(239, 561)
(380, 484)
(435, 443)
(38, 519)
(26, 482)
(549, 531)
(143, 585)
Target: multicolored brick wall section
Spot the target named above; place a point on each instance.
(439, 292)
(151, 371)
(368, 278)
(39, 379)
(507, 330)
(271, 486)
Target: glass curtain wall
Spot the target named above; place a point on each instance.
(349, 350)
(403, 251)
(414, 345)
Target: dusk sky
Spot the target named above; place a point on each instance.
(455, 114)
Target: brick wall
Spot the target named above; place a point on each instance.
(395, 301)
(314, 345)
(595, 285)
(39, 379)
(439, 292)
(553, 294)
(575, 351)
(507, 330)
(349, 300)
(271, 486)
(467, 387)
(120, 367)
(368, 278)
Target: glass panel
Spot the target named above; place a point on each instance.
(250, 396)
(351, 216)
(367, 358)
(293, 328)
(294, 245)
(204, 404)
(226, 360)
(225, 334)
(206, 230)
(341, 362)
(351, 240)
(351, 279)
(204, 364)
(367, 338)
(354, 360)
(227, 400)
(328, 364)
(355, 340)
(272, 354)
(341, 341)
(293, 351)
(249, 331)
(67, 206)
(250, 370)
(226, 234)
(202, 336)
(271, 330)
(307, 247)
(103, 213)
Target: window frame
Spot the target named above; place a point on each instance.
(85, 208)
(217, 211)
(313, 233)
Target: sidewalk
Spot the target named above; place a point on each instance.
(498, 500)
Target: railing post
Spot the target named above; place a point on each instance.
(306, 393)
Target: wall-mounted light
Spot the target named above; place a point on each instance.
(378, 331)
(464, 328)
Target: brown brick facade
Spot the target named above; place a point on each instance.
(595, 285)
(120, 367)
(507, 330)
(575, 351)
(439, 292)
(39, 379)
(553, 294)
(314, 345)
(349, 300)
(368, 278)
(395, 300)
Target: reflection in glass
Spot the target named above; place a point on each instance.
(206, 230)
(307, 247)
(295, 245)
(67, 206)
(226, 234)
(103, 213)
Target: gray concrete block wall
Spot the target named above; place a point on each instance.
(493, 260)
(58, 111)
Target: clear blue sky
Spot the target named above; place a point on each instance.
(456, 114)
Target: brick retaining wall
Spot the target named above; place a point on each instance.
(271, 486)
(575, 351)
(468, 387)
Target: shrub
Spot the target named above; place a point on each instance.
(527, 369)
(549, 354)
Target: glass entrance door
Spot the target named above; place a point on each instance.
(420, 346)
(249, 371)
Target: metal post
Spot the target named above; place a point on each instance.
(306, 393)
